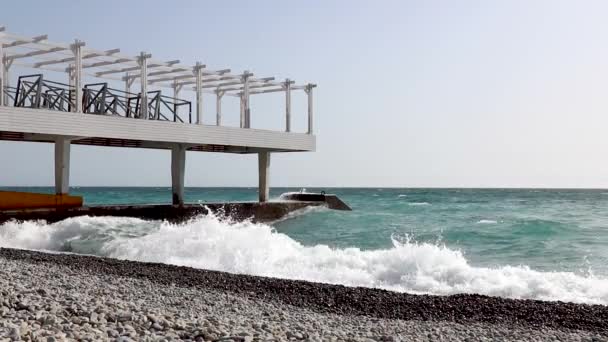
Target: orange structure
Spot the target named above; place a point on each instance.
(13, 200)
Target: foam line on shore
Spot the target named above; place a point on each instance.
(209, 242)
(340, 299)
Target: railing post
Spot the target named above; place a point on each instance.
(142, 60)
(308, 90)
(77, 50)
(218, 107)
(198, 72)
(287, 86)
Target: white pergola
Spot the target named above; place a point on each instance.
(77, 60)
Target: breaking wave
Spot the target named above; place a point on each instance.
(210, 242)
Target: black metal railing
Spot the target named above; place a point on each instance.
(98, 98)
(33, 91)
(10, 93)
(163, 108)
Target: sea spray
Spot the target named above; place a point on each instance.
(211, 242)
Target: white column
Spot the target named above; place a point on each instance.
(287, 87)
(62, 166)
(143, 68)
(178, 168)
(77, 50)
(218, 107)
(308, 90)
(198, 72)
(264, 175)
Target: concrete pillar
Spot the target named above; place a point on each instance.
(178, 168)
(264, 175)
(62, 166)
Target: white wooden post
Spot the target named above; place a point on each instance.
(2, 71)
(245, 98)
(198, 72)
(77, 50)
(218, 107)
(143, 68)
(287, 87)
(176, 89)
(308, 89)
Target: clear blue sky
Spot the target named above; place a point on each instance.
(411, 93)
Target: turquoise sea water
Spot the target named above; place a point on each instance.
(524, 243)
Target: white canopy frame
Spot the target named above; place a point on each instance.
(77, 60)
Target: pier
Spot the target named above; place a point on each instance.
(109, 98)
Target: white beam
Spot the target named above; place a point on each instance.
(24, 41)
(34, 53)
(254, 85)
(116, 71)
(71, 59)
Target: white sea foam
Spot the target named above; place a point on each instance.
(402, 195)
(487, 222)
(419, 203)
(211, 243)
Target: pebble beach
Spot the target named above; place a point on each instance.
(55, 297)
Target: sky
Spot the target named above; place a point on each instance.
(410, 93)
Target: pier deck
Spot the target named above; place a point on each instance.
(100, 105)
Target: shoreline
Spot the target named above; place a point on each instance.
(336, 299)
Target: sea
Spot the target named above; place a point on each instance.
(543, 244)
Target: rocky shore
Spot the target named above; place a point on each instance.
(52, 297)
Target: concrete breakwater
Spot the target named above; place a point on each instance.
(258, 212)
(255, 211)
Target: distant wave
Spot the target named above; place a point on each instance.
(419, 203)
(402, 195)
(210, 242)
(487, 222)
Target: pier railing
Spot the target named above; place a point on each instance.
(33, 91)
(76, 60)
(99, 98)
